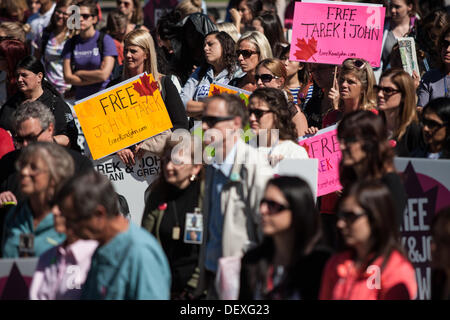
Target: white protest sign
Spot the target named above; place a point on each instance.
(307, 169)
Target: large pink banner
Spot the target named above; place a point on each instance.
(333, 31)
(324, 146)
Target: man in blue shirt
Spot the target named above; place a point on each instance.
(129, 264)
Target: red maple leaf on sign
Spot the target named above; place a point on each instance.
(147, 88)
(215, 91)
(307, 49)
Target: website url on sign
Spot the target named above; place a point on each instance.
(337, 53)
(127, 135)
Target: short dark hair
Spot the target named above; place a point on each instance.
(235, 106)
(89, 190)
(92, 5)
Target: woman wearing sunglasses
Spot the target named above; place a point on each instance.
(140, 56)
(372, 265)
(86, 67)
(253, 47)
(29, 226)
(270, 119)
(435, 121)
(436, 83)
(356, 81)
(272, 73)
(396, 98)
(289, 262)
(50, 44)
(219, 68)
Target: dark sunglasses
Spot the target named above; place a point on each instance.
(212, 121)
(273, 206)
(265, 78)
(126, 4)
(431, 124)
(257, 112)
(348, 216)
(386, 90)
(245, 53)
(355, 63)
(86, 16)
(62, 13)
(28, 138)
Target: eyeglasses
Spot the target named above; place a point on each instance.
(265, 78)
(28, 138)
(273, 206)
(386, 90)
(126, 4)
(61, 13)
(86, 16)
(357, 63)
(212, 121)
(349, 216)
(258, 112)
(431, 124)
(245, 53)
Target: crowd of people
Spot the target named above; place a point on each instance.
(233, 209)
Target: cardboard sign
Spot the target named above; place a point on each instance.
(15, 278)
(215, 89)
(123, 115)
(332, 31)
(324, 146)
(427, 184)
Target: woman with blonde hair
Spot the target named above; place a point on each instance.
(229, 28)
(272, 73)
(396, 98)
(140, 57)
(187, 7)
(15, 30)
(252, 47)
(356, 90)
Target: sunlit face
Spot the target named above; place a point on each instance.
(349, 87)
(134, 57)
(292, 67)
(256, 23)
(276, 217)
(87, 20)
(245, 12)
(434, 129)
(387, 100)
(353, 223)
(61, 16)
(28, 81)
(126, 7)
(30, 131)
(263, 75)
(260, 115)
(399, 9)
(248, 64)
(34, 177)
(352, 151)
(178, 168)
(213, 50)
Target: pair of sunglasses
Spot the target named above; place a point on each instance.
(358, 63)
(273, 206)
(431, 124)
(245, 53)
(29, 138)
(386, 90)
(258, 112)
(348, 216)
(86, 16)
(212, 121)
(265, 77)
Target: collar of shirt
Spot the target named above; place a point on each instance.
(228, 163)
(222, 74)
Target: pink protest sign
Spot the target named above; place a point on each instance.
(324, 146)
(332, 31)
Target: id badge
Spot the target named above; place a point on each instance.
(26, 245)
(193, 230)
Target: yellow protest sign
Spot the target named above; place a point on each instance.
(215, 89)
(123, 115)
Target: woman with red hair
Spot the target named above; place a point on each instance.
(11, 52)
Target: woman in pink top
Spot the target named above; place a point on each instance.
(373, 267)
(62, 270)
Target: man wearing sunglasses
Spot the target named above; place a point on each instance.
(234, 184)
(33, 122)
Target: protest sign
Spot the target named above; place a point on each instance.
(427, 184)
(332, 31)
(324, 146)
(131, 182)
(302, 168)
(15, 278)
(123, 115)
(215, 89)
(408, 55)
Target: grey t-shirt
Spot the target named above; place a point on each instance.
(434, 84)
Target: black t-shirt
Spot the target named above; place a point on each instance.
(410, 141)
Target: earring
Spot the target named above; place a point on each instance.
(192, 178)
